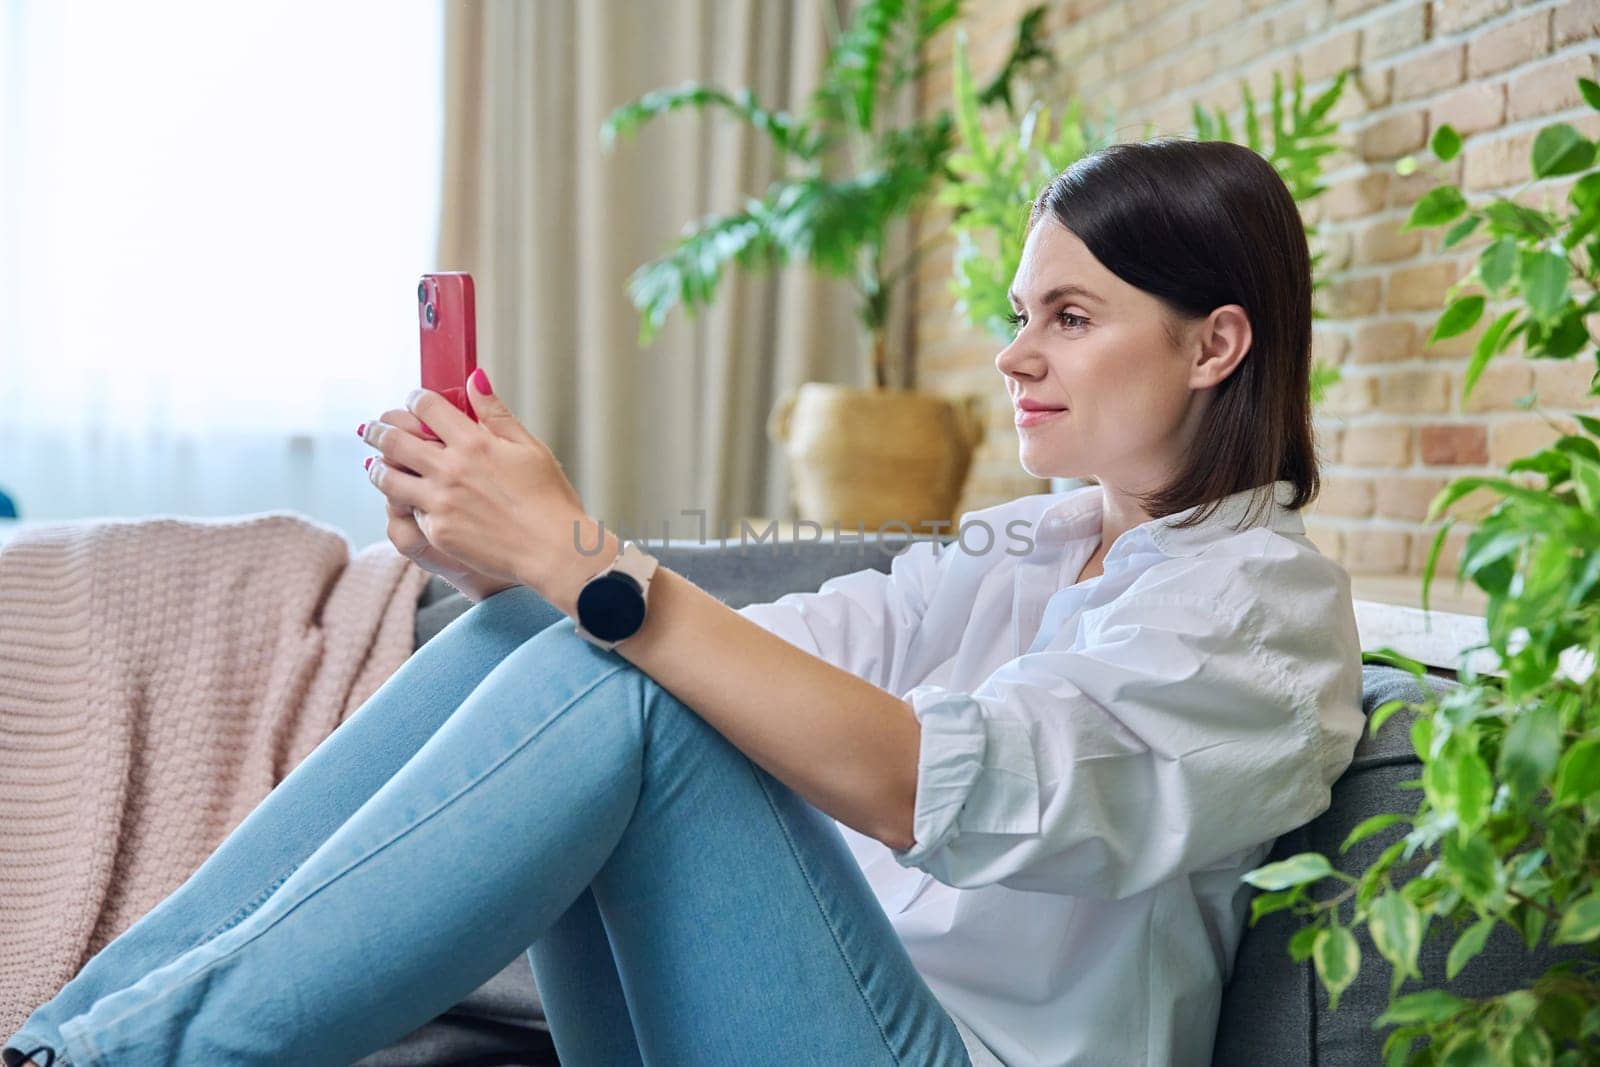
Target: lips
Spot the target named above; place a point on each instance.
(1035, 405)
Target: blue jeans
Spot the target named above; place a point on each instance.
(513, 788)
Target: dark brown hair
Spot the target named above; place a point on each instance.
(1200, 224)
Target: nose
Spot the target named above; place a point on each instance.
(1020, 359)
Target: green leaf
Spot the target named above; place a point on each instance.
(1437, 207)
(1498, 263)
(1446, 142)
(1296, 870)
(1578, 774)
(1458, 318)
(1469, 1050)
(1581, 921)
(1511, 217)
(1381, 714)
(788, 135)
(1468, 945)
(1482, 352)
(1267, 903)
(1590, 91)
(1586, 480)
(1531, 747)
(1428, 1006)
(1474, 864)
(1560, 149)
(1301, 943)
(1337, 958)
(1396, 927)
(1544, 282)
(1474, 789)
(1367, 827)
(1460, 230)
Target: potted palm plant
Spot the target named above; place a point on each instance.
(868, 455)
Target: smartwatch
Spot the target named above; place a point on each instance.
(611, 605)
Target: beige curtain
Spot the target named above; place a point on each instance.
(551, 226)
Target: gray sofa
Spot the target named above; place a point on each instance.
(1273, 1013)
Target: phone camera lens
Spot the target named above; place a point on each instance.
(422, 292)
(427, 313)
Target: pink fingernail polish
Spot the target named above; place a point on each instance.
(361, 430)
(480, 381)
(367, 463)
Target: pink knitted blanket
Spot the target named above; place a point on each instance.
(158, 677)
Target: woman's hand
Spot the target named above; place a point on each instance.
(408, 538)
(487, 495)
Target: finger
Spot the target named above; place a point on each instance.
(447, 421)
(400, 487)
(404, 450)
(408, 422)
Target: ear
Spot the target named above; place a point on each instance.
(1222, 341)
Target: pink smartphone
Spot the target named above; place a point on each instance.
(449, 335)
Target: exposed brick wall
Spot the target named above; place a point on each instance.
(1395, 429)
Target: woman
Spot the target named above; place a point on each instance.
(726, 840)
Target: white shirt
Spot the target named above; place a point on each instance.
(1099, 762)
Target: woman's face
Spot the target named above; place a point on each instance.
(1090, 343)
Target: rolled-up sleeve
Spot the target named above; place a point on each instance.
(860, 622)
(1170, 732)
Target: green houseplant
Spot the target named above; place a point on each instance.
(1002, 172)
(1505, 829)
(852, 170)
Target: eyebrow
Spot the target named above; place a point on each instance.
(1058, 292)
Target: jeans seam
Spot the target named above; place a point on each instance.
(838, 944)
(362, 859)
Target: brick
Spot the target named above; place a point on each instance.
(1343, 9)
(1498, 163)
(1328, 539)
(1457, 347)
(1440, 68)
(1344, 495)
(1508, 44)
(1407, 189)
(1564, 383)
(1336, 248)
(1523, 435)
(1350, 395)
(1217, 14)
(1294, 22)
(1353, 198)
(1383, 241)
(1328, 346)
(1453, 444)
(1576, 20)
(1473, 507)
(1453, 16)
(1241, 44)
(1549, 88)
(1369, 551)
(1401, 496)
(1421, 288)
(1376, 445)
(1385, 341)
(1414, 391)
(1328, 442)
(1327, 57)
(1496, 388)
(1191, 68)
(1405, 28)
(1394, 135)
(1449, 562)
(1350, 298)
(1471, 108)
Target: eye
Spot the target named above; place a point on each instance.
(1017, 321)
(1071, 321)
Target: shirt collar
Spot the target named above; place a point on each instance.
(1078, 514)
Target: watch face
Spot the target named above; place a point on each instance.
(611, 606)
